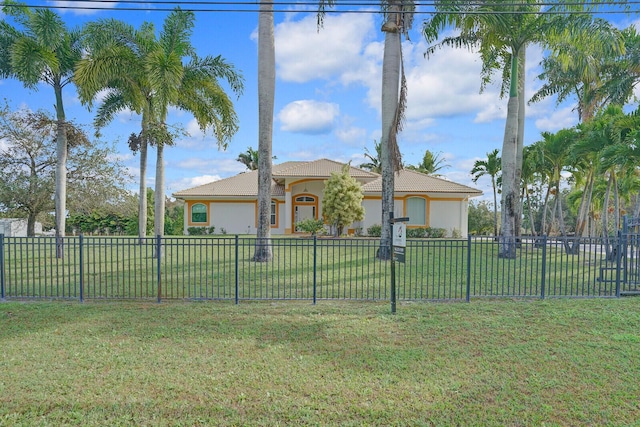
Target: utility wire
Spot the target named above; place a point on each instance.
(623, 7)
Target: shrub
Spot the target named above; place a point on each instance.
(416, 233)
(436, 233)
(310, 225)
(200, 231)
(426, 232)
(374, 231)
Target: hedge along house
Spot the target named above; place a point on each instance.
(231, 205)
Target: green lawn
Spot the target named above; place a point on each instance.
(516, 363)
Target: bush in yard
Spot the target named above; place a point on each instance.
(374, 231)
(436, 233)
(416, 233)
(200, 231)
(310, 225)
(342, 200)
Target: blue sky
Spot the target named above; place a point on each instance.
(327, 103)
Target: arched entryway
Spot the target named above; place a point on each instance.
(305, 206)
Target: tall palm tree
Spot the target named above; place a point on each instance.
(266, 97)
(41, 49)
(398, 20)
(490, 167)
(159, 79)
(114, 46)
(597, 79)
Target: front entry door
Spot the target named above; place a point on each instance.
(303, 212)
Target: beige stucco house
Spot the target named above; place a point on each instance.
(230, 205)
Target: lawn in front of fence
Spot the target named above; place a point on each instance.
(310, 269)
(490, 363)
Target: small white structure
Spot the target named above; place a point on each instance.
(296, 194)
(17, 227)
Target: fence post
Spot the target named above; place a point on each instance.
(468, 267)
(81, 240)
(315, 265)
(544, 266)
(159, 265)
(2, 267)
(237, 272)
(618, 263)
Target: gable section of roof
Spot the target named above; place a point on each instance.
(408, 181)
(321, 168)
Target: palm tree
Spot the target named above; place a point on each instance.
(431, 164)
(45, 51)
(266, 97)
(398, 19)
(373, 164)
(490, 167)
(597, 79)
(160, 79)
(249, 159)
(115, 46)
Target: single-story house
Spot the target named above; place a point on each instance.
(230, 205)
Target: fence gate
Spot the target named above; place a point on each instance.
(631, 256)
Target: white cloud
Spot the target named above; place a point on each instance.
(83, 7)
(219, 167)
(186, 183)
(193, 129)
(304, 52)
(308, 116)
(558, 119)
(350, 134)
(447, 84)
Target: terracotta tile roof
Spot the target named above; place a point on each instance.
(408, 181)
(321, 168)
(244, 184)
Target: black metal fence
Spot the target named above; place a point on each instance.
(202, 268)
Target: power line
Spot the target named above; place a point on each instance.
(363, 6)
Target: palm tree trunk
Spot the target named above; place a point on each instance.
(616, 202)
(605, 221)
(266, 96)
(531, 217)
(61, 172)
(390, 96)
(495, 207)
(522, 57)
(545, 209)
(142, 203)
(509, 161)
(159, 195)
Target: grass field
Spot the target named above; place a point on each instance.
(503, 363)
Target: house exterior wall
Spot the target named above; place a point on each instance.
(233, 217)
(449, 214)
